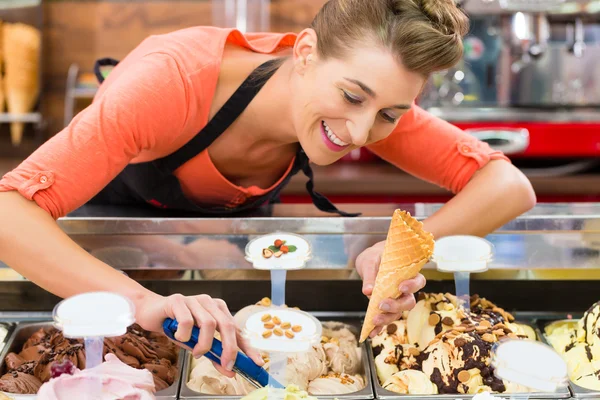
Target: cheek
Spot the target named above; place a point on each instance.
(382, 132)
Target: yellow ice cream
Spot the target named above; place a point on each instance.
(410, 382)
(579, 343)
(292, 392)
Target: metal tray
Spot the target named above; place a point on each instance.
(381, 393)
(578, 391)
(23, 331)
(366, 393)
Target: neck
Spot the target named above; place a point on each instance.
(269, 115)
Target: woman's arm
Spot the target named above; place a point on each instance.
(495, 195)
(490, 191)
(143, 108)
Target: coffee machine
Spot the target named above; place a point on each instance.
(529, 81)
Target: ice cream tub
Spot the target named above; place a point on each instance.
(577, 391)
(381, 393)
(6, 330)
(366, 392)
(23, 331)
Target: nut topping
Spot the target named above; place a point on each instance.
(276, 320)
(414, 352)
(278, 332)
(296, 328)
(286, 325)
(269, 325)
(266, 318)
(265, 302)
(289, 334)
(267, 253)
(267, 334)
(464, 376)
(488, 337)
(448, 321)
(434, 319)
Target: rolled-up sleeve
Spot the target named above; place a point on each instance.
(434, 150)
(143, 107)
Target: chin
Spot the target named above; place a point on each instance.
(321, 158)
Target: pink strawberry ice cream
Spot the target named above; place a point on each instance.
(116, 379)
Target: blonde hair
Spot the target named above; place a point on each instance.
(425, 35)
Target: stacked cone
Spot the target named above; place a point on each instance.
(21, 51)
(407, 249)
(1, 75)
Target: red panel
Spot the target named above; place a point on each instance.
(553, 139)
(397, 199)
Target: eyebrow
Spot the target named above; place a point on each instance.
(371, 93)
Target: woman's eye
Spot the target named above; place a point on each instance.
(351, 99)
(389, 118)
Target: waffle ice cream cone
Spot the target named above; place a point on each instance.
(21, 47)
(407, 249)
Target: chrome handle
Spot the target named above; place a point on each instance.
(506, 140)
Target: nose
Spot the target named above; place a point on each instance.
(360, 128)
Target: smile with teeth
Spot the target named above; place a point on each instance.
(333, 138)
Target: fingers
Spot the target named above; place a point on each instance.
(242, 343)
(392, 309)
(396, 307)
(224, 322)
(367, 265)
(184, 317)
(250, 351)
(413, 285)
(207, 325)
(375, 331)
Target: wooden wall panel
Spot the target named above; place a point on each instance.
(81, 31)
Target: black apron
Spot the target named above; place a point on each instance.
(154, 182)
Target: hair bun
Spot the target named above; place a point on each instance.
(445, 14)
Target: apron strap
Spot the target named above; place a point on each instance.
(230, 111)
(103, 62)
(320, 201)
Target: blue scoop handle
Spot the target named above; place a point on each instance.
(242, 362)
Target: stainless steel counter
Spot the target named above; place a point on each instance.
(550, 237)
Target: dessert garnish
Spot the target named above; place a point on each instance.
(274, 325)
(278, 248)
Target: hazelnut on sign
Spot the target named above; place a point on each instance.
(284, 249)
(267, 253)
(278, 254)
(278, 243)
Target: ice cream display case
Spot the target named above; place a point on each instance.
(540, 286)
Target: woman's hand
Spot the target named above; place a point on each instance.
(367, 265)
(203, 311)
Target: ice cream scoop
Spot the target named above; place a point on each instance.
(244, 366)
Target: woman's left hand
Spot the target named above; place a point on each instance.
(367, 265)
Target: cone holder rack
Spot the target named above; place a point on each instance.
(29, 12)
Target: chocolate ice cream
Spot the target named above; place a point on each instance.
(450, 346)
(31, 367)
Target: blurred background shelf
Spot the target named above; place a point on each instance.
(29, 118)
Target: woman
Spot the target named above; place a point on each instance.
(210, 120)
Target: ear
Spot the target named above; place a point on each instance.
(305, 50)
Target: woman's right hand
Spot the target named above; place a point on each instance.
(203, 311)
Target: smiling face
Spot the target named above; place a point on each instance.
(343, 104)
